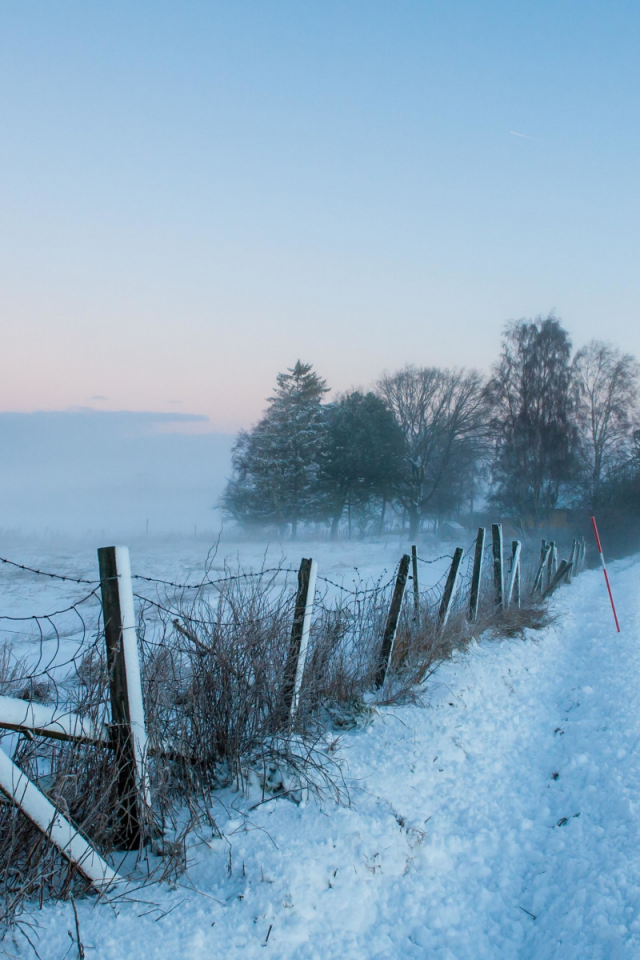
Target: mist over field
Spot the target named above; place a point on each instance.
(99, 474)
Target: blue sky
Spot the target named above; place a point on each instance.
(195, 194)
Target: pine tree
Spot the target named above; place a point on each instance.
(276, 465)
(364, 456)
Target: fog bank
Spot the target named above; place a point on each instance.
(111, 475)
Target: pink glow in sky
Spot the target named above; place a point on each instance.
(193, 196)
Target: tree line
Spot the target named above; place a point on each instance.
(547, 428)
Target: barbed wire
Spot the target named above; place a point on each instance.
(445, 556)
(213, 622)
(43, 573)
(212, 583)
(55, 613)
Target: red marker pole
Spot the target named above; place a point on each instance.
(604, 570)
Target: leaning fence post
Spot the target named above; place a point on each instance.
(561, 572)
(553, 562)
(127, 709)
(498, 574)
(416, 590)
(392, 621)
(544, 556)
(294, 669)
(478, 557)
(450, 586)
(573, 559)
(513, 590)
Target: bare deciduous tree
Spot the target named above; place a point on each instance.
(442, 414)
(606, 391)
(532, 424)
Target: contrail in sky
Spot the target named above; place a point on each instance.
(523, 135)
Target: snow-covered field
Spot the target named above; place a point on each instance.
(500, 820)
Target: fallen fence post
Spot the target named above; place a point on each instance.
(392, 622)
(498, 574)
(604, 570)
(294, 669)
(26, 716)
(42, 813)
(450, 586)
(416, 591)
(559, 575)
(539, 577)
(476, 576)
(514, 577)
(127, 709)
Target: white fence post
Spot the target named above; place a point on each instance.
(391, 625)
(498, 575)
(294, 669)
(450, 587)
(39, 809)
(476, 577)
(514, 578)
(127, 709)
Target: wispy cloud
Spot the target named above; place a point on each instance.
(523, 135)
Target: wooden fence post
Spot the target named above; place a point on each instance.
(294, 669)
(513, 590)
(553, 562)
(54, 825)
(573, 559)
(127, 709)
(559, 575)
(583, 552)
(392, 621)
(450, 586)
(498, 574)
(416, 591)
(476, 576)
(538, 584)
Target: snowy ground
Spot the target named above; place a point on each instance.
(501, 820)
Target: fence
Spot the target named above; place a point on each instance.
(121, 732)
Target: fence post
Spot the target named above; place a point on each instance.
(498, 574)
(416, 591)
(544, 556)
(560, 573)
(54, 825)
(478, 557)
(514, 578)
(300, 630)
(450, 586)
(392, 621)
(573, 560)
(127, 709)
(553, 562)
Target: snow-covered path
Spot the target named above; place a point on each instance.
(502, 820)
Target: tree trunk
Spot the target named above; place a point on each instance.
(335, 523)
(414, 522)
(382, 513)
(294, 529)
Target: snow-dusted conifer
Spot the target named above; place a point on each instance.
(276, 464)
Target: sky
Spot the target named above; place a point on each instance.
(194, 194)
